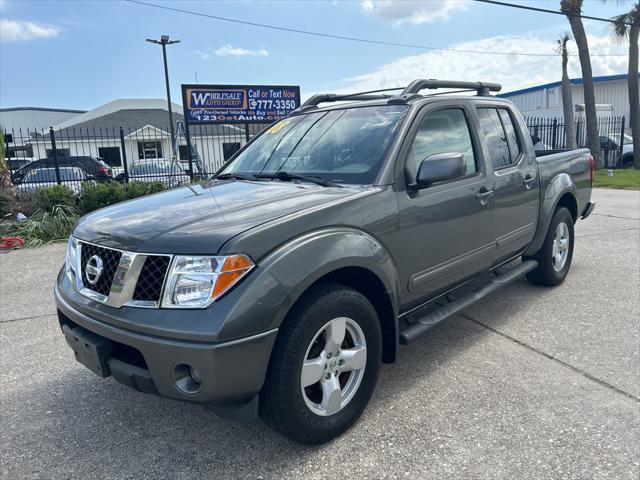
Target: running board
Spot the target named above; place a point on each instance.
(438, 316)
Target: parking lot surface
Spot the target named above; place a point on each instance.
(530, 383)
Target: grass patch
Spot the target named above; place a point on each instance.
(627, 178)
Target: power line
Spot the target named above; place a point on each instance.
(546, 10)
(348, 38)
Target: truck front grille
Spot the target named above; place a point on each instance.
(151, 279)
(110, 261)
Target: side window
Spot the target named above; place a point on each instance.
(512, 137)
(442, 131)
(494, 137)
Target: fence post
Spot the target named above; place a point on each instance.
(246, 132)
(124, 157)
(187, 137)
(56, 164)
(554, 132)
(622, 141)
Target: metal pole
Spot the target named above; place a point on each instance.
(166, 79)
(56, 164)
(622, 141)
(124, 157)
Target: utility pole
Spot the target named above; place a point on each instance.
(164, 41)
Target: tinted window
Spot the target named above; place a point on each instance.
(512, 137)
(443, 131)
(494, 136)
(343, 146)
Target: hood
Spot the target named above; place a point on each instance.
(200, 218)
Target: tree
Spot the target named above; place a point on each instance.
(567, 101)
(572, 9)
(621, 30)
(5, 171)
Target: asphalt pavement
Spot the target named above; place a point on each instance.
(529, 383)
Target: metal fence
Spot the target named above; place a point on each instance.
(549, 133)
(71, 156)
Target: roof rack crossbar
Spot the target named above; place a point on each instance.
(483, 88)
(317, 99)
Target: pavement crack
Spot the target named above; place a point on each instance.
(554, 359)
(614, 216)
(27, 318)
(608, 231)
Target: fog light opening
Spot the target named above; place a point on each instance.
(186, 378)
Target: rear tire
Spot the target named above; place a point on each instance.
(324, 365)
(555, 255)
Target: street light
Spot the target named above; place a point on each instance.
(164, 41)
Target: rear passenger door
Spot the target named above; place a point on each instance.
(513, 175)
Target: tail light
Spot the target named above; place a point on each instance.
(104, 170)
(592, 169)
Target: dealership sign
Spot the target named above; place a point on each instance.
(238, 103)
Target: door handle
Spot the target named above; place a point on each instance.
(528, 181)
(484, 195)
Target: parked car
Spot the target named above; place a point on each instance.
(38, 178)
(333, 237)
(170, 174)
(93, 168)
(611, 143)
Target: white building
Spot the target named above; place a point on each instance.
(545, 101)
(145, 135)
(22, 119)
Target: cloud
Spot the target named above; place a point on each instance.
(412, 11)
(18, 30)
(229, 50)
(513, 72)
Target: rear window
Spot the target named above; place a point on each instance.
(500, 136)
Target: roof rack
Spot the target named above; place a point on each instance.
(319, 98)
(410, 92)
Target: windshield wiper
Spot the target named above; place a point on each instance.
(305, 178)
(236, 176)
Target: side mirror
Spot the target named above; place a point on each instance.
(438, 168)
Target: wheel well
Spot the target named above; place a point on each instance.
(368, 283)
(569, 202)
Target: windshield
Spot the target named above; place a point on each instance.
(49, 175)
(341, 146)
(154, 169)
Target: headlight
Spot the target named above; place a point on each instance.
(196, 282)
(70, 262)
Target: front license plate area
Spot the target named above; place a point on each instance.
(90, 350)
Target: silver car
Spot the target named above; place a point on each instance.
(170, 174)
(71, 177)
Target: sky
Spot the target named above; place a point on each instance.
(82, 54)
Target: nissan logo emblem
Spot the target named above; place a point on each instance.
(93, 269)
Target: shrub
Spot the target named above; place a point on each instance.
(99, 195)
(42, 227)
(25, 203)
(48, 198)
(140, 189)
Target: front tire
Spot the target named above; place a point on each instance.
(324, 365)
(555, 255)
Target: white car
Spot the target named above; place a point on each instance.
(37, 178)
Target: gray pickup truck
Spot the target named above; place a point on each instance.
(280, 285)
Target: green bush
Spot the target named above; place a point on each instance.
(42, 227)
(140, 189)
(48, 198)
(101, 194)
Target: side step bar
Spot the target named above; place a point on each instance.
(438, 316)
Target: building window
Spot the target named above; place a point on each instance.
(149, 150)
(229, 149)
(62, 152)
(111, 155)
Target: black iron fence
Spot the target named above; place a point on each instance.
(71, 156)
(549, 133)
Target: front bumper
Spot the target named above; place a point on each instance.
(231, 373)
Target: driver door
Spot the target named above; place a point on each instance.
(446, 228)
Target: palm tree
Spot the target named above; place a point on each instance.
(572, 9)
(5, 172)
(567, 101)
(626, 26)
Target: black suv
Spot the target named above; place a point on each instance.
(94, 168)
